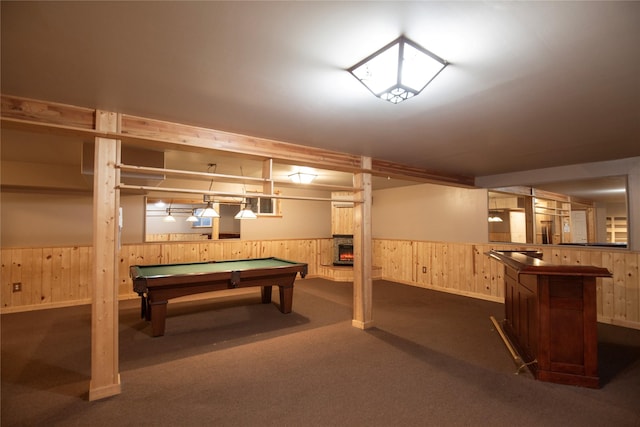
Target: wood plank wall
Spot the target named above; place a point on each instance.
(462, 268)
(56, 277)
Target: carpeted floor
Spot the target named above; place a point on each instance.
(433, 359)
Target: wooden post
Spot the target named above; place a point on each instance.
(105, 377)
(633, 205)
(215, 223)
(362, 249)
(267, 173)
(530, 215)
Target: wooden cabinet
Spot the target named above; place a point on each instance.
(551, 319)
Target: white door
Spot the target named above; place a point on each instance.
(579, 224)
(518, 227)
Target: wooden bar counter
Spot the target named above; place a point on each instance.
(550, 317)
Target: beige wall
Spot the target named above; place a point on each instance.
(41, 220)
(133, 213)
(430, 212)
(44, 220)
(30, 219)
(300, 219)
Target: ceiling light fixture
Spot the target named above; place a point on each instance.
(209, 212)
(302, 177)
(192, 217)
(246, 213)
(169, 217)
(399, 70)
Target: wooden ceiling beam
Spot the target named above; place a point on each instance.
(43, 112)
(282, 152)
(400, 171)
(48, 117)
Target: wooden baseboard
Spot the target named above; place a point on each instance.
(343, 273)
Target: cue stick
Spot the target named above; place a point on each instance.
(516, 358)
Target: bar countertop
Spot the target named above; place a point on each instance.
(524, 264)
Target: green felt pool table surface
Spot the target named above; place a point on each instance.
(210, 267)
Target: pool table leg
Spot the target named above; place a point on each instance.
(266, 294)
(158, 313)
(286, 297)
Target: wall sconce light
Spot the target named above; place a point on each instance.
(399, 70)
(495, 219)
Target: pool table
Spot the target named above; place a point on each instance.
(156, 284)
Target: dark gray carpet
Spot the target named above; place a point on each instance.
(433, 359)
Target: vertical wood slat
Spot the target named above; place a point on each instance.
(56, 276)
(443, 273)
(422, 262)
(27, 267)
(126, 258)
(65, 276)
(16, 276)
(595, 258)
(633, 291)
(36, 275)
(6, 290)
(619, 285)
(73, 273)
(47, 275)
(85, 264)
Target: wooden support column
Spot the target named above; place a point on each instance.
(362, 249)
(267, 173)
(633, 194)
(215, 223)
(105, 376)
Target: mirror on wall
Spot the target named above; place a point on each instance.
(589, 212)
(186, 220)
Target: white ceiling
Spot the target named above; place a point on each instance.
(530, 84)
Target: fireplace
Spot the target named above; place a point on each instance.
(342, 249)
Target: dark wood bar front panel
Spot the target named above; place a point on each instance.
(551, 319)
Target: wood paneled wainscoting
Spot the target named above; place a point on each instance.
(62, 276)
(57, 277)
(464, 269)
